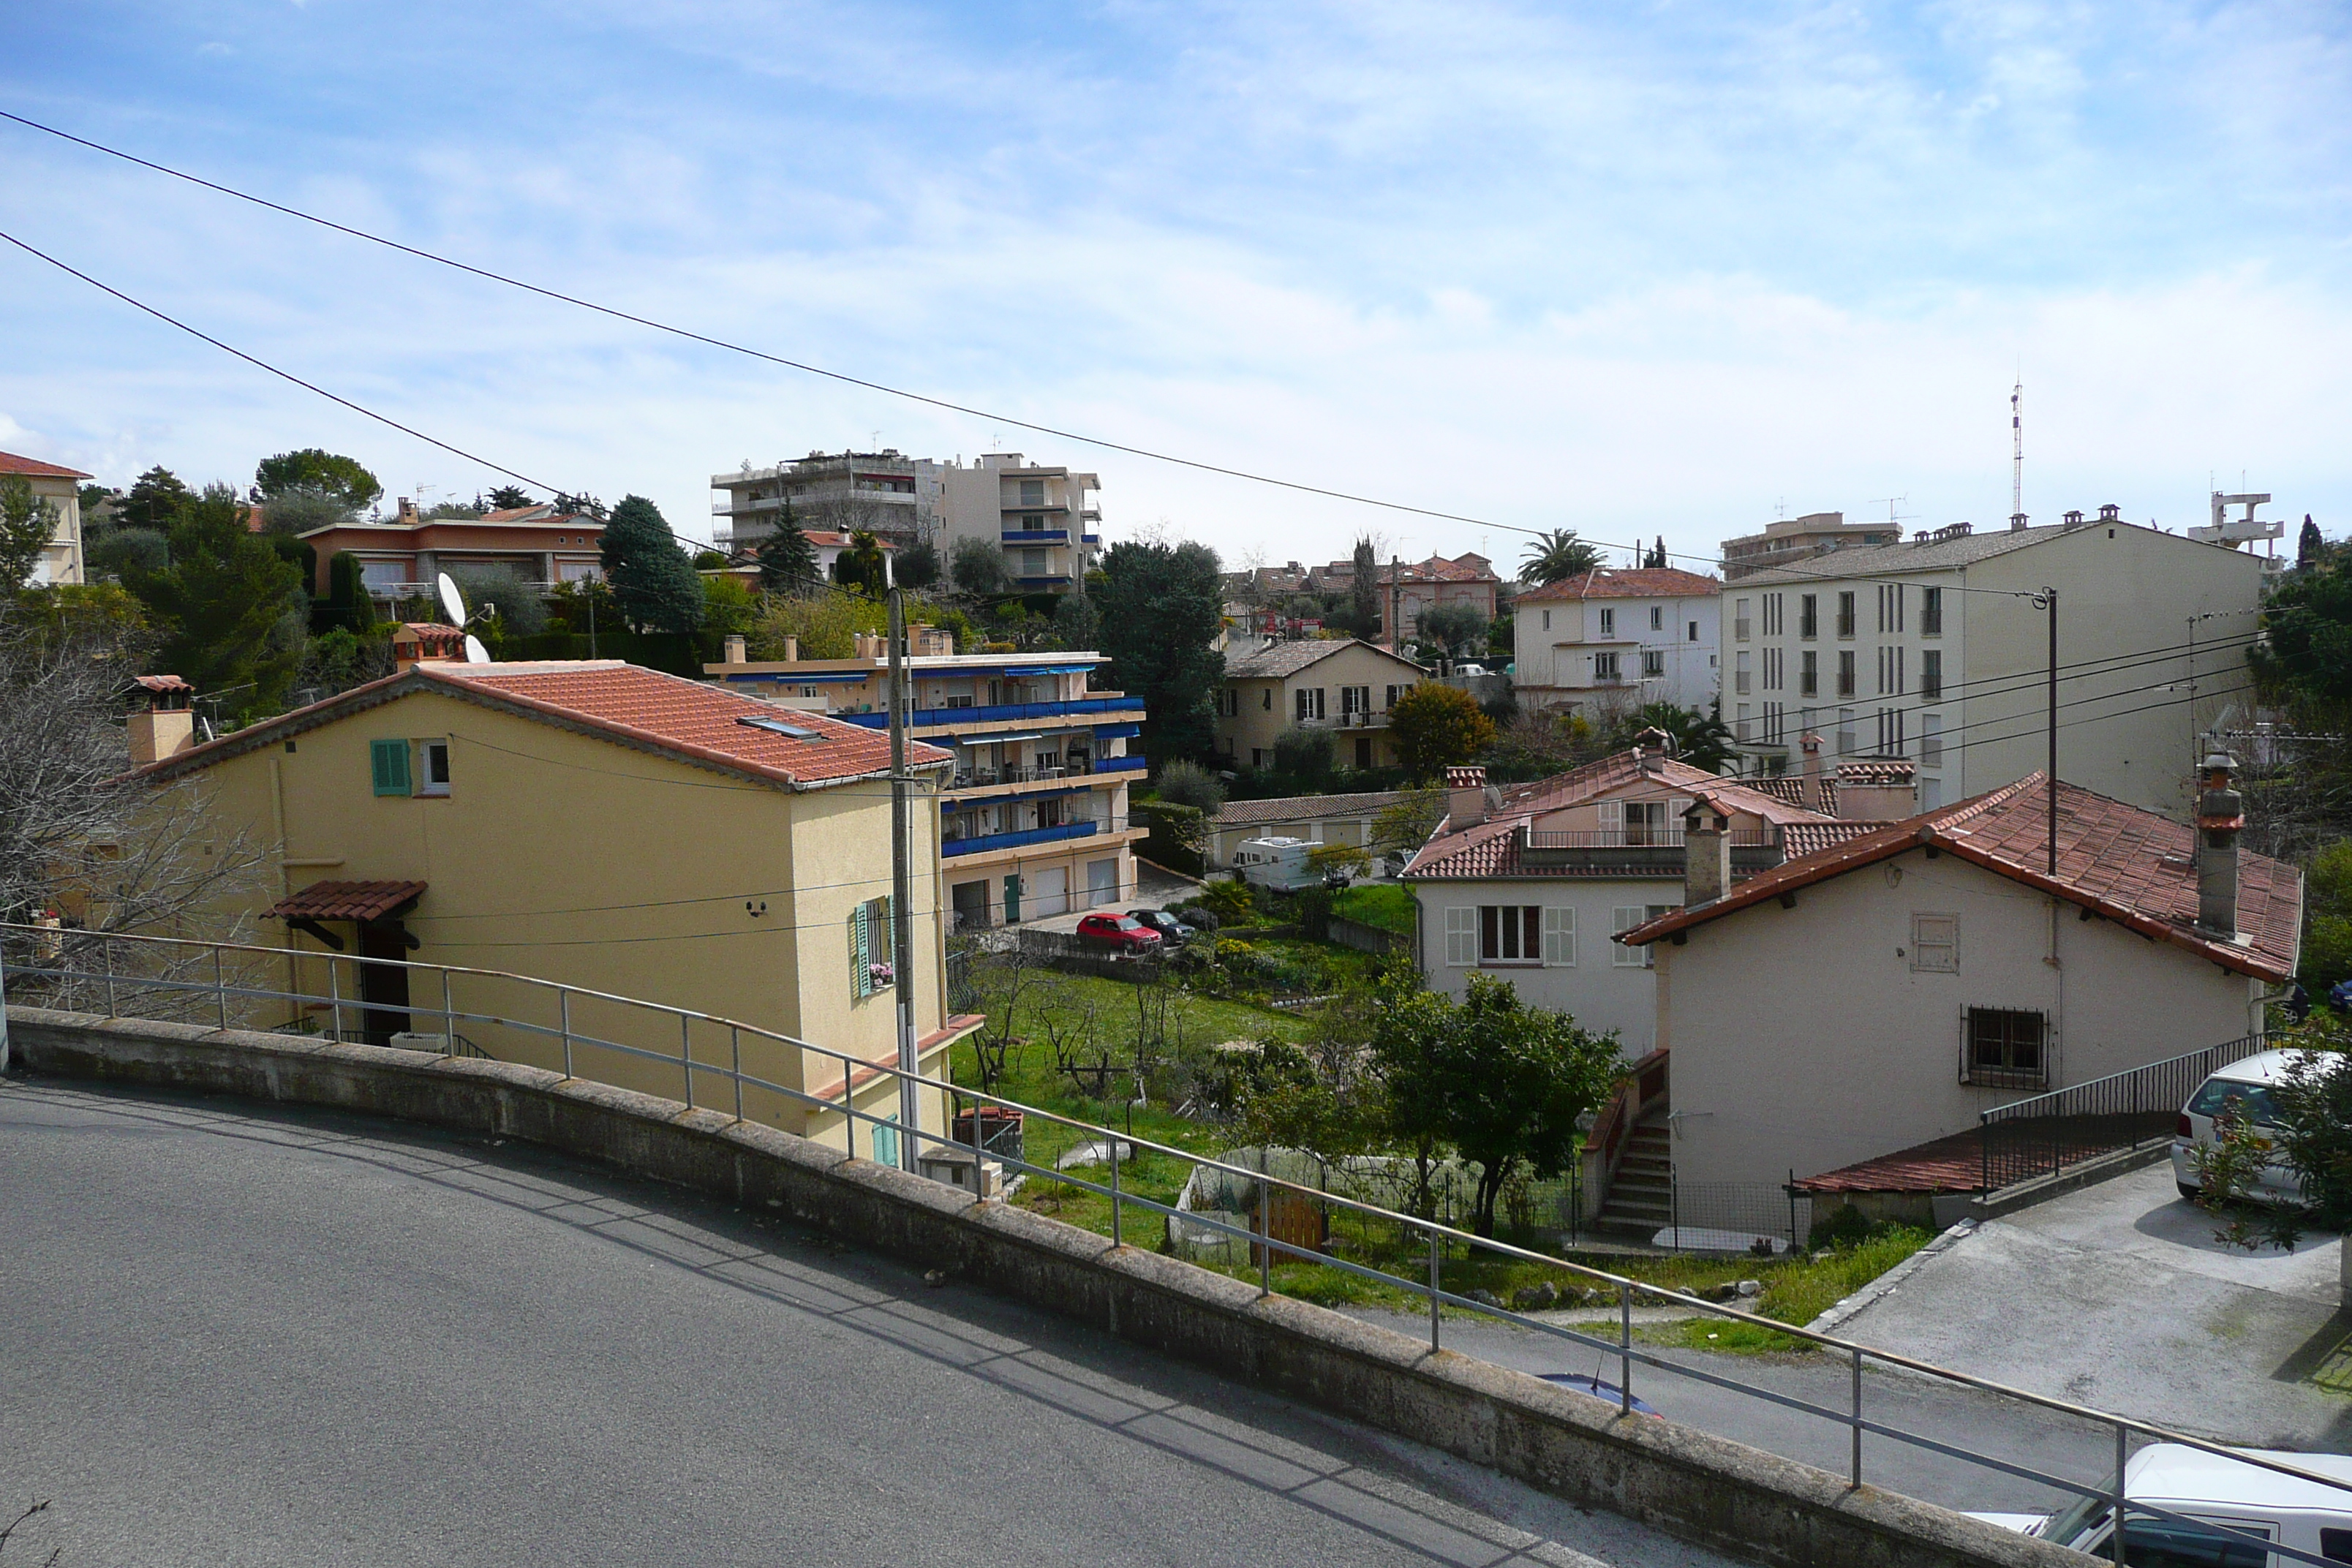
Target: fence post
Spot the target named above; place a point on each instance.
(220, 987)
(735, 1054)
(980, 1151)
(565, 997)
(1625, 1350)
(2118, 1542)
(1433, 1286)
(1116, 1238)
(449, 1018)
(1264, 1231)
(106, 950)
(1857, 1418)
(1675, 1206)
(334, 996)
(686, 1054)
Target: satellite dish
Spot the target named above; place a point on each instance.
(475, 652)
(453, 602)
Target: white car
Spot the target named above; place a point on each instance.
(2308, 1516)
(2249, 1083)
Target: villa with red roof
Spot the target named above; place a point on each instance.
(595, 823)
(61, 487)
(1609, 639)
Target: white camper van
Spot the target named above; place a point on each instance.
(2223, 1502)
(1280, 864)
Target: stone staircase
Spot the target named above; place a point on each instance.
(1641, 1194)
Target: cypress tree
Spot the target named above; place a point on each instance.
(653, 580)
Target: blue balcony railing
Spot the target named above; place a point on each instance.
(1122, 764)
(985, 841)
(1035, 536)
(920, 717)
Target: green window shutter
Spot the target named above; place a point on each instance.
(861, 978)
(388, 760)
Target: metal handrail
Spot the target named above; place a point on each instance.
(1442, 1236)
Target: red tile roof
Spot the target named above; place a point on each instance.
(34, 468)
(1953, 1165)
(1627, 582)
(1877, 771)
(345, 901)
(2127, 865)
(688, 719)
(162, 682)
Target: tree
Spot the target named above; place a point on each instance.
(566, 504)
(230, 610)
(117, 552)
(787, 560)
(1405, 827)
(653, 581)
(507, 497)
(1162, 607)
(1364, 589)
(2304, 661)
(28, 522)
(327, 473)
(728, 606)
(917, 565)
(1654, 559)
(861, 569)
(1306, 757)
(1557, 555)
(2327, 917)
(1500, 1082)
(520, 612)
(1436, 727)
(976, 567)
(154, 500)
(1076, 626)
(1459, 629)
(1183, 783)
(2308, 545)
(305, 507)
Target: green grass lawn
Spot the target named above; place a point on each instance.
(1382, 904)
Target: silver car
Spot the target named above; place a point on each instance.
(2248, 1083)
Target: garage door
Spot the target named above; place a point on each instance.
(1102, 882)
(1048, 892)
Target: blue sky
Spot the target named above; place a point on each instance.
(1633, 271)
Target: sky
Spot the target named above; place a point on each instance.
(1669, 269)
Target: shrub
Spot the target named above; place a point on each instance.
(1228, 898)
(1190, 783)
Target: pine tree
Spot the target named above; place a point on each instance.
(2307, 545)
(229, 608)
(653, 581)
(787, 560)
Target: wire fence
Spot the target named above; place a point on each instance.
(2031, 1139)
(1278, 1211)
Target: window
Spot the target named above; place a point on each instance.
(1931, 740)
(1772, 615)
(1740, 722)
(2004, 1048)
(1809, 618)
(1845, 613)
(1355, 699)
(433, 767)
(1032, 564)
(1625, 918)
(1775, 734)
(1645, 822)
(1653, 663)
(1559, 939)
(1266, 699)
(1846, 729)
(1890, 606)
(1931, 612)
(1392, 694)
(1604, 666)
(1935, 944)
(1657, 617)
(1547, 615)
(383, 574)
(1931, 674)
(1608, 621)
(388, 762)
(870, 948)
(1309, 702)
(1033, 492)
(1890, 732)
(1809, 674)
(1510, 933)
(1740, 674)
(1775, 669)
(1257, 756)
(1739, 624)
(1845, 672)
(1694, 632)
(1461, 936)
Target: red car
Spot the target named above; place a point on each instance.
(1121, 933)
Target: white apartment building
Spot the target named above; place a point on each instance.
(1935, 650)
(1608, 637)
(1044, 516)
(885, 492)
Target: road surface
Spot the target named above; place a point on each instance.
(235, 1333)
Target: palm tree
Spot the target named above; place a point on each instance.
(1702, 740)
(1557, 554)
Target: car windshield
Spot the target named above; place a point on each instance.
(2253, 1101)
(2078, 1522)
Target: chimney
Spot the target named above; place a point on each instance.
(162, 725)
(791, 650)
(1655, 743)
(2017, 522)
(1465, 797)
(1706, 852)
(2111, 512)
(417, 641)
(735, 650)
(2073, 520)
(1878, 789)
(1816, 792)
(2220, 815)
(407, 509)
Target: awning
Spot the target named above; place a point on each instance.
(970, 803)
(996, 739)
(1050, 669)
(346, 901)
(1116, 731)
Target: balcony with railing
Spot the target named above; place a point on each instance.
(952, 843)
(922, 718)
(1034, 536)
(989, 778)
(1640, 849)
(1360, 721)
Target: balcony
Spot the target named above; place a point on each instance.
(1035, 536)
(989, 778)
(980, 843)
(1034, 506)
(1634, 838)
(929, 718)
(1657, 850)
(1346, 721)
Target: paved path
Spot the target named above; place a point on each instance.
(241, 1334)
(2118, 1296)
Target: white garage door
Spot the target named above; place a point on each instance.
(1102, 882)
(1048, 892)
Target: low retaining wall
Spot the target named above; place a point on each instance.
(1703, 1489)
(1366, 938)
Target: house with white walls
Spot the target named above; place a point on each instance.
(1607, 639)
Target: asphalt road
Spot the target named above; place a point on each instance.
(238, 1334)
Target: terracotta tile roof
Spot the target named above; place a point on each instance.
(2130, 866)
(1877, 771)
(1627, 582)
(1793, 790)
(1277, 660)
(1302, 807)
(691, 721)
(346, 901)
(1801, 838)
(162, 683)
(1953, 1165)
(34, 468)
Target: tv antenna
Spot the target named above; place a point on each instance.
(452, 605)
(1891, 515)
(2017, 454)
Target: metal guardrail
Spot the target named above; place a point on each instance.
(2040, 1136)
(192, 978)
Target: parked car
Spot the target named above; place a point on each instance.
(1123, 935)
(1584, 1383)
(2309, 1516)
(2341, 993)
(1170, 928)
(2247, 1082)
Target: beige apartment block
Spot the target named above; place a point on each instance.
(61, 487)
(1342, 685)
(1936, 650)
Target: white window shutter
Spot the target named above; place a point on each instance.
(1559, 938)
(1625, 918)
(1676, 806)
(1461, 936)
(1613, 817)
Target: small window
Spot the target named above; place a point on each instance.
(1694, 632)
(388, 761)
(1547, 615)
(433, 767)
(870, 947)
(1845, 613)
(2005, 1048)
(1608, 623)
(1809, 620)
(1931, 612)
(1266, 699)
(1653, 663)
(1657, 617)
(2335, 1545)
(1935, 944)
(1604, 667)
(1510, 933)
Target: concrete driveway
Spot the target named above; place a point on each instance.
(2118, 1296)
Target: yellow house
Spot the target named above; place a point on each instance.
(1337, 684)
(605, 826)
(61, 487)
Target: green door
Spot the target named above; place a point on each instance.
(1011, 899)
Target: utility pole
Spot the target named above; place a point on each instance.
(2048, 600)
(902, 919)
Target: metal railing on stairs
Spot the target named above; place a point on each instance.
(223, 985)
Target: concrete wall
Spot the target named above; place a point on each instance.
(1598, 991)
(1803, 1038)
(1752, 1504)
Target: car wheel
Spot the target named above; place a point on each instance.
(2188, 1193)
